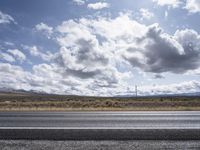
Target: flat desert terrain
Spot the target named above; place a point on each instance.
(43, 102)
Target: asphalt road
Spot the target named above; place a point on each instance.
(171, 125)
(126, 120)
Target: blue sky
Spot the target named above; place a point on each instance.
(102, 48)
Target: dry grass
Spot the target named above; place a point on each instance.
(36, 102)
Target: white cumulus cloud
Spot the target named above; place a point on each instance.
(42, 27)
(79, 2)
(146, 14)
(193, 6)
(7, 57)
(170, 3)
(17, 54)
(5, 18)
(34, 51)
(98, 5)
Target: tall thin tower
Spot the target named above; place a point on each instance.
(136, 91)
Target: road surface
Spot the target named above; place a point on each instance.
(157, 125)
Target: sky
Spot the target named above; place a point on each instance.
(100, 47)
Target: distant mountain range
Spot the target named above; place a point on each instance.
(20, 91)
(163, 95)
(7, 90)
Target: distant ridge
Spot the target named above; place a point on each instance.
(21, 91)
(162, 95)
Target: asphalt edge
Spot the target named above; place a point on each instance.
(100, 134)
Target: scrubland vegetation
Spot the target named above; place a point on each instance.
(44, 102)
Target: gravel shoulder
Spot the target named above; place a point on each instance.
(99, 145)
